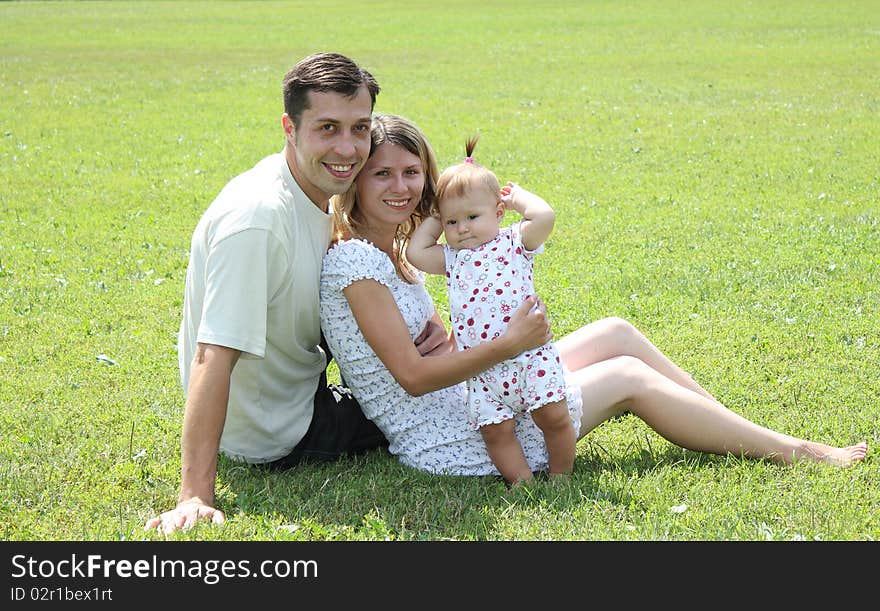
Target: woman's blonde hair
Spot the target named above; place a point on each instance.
(347, 219)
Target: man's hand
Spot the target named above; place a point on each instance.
(203, 418)
(433, 340)
(185, 516)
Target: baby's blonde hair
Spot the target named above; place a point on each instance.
(462, 178)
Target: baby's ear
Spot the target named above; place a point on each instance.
(499, 210)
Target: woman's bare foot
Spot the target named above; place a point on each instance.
(839, 457)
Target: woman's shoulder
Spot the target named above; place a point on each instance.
(356, 259)
(354, 249)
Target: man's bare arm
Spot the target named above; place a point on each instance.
(204, 416)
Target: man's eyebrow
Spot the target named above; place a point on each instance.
(335, 120)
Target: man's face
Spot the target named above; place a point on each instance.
(330, 144)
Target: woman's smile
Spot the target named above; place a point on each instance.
(398, 203)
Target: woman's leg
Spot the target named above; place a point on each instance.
(688, 418)
(611, 337)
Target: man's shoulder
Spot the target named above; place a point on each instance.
(257, 198)
(261, 185)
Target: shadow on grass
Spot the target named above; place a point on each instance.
(373, 497)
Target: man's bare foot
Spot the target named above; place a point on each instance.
(839, 457)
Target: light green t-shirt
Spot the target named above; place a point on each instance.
(252, 284)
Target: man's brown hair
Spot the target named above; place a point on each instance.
(324, 72)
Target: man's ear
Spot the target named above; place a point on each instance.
(288, 126)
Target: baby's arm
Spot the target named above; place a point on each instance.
(423, 251)
(538, 216)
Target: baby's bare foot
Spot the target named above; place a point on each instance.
(558, 479)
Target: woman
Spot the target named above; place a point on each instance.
(373, 303)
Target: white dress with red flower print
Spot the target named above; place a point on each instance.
(486, 285)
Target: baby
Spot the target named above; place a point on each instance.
(488, 275)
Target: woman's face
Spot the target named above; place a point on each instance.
(390, 186)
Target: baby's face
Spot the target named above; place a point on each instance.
(471, 220)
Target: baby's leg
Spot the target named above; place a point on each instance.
(505, 451)
(555, 422)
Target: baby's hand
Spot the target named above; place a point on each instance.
(508, 194)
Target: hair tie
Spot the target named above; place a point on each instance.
(468, 159)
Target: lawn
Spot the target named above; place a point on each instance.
(713, 166)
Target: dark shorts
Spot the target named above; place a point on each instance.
(339, 428)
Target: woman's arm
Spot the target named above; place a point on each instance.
(385, 330)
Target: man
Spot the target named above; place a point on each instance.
(249, 340)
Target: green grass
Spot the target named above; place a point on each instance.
(715, 174)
